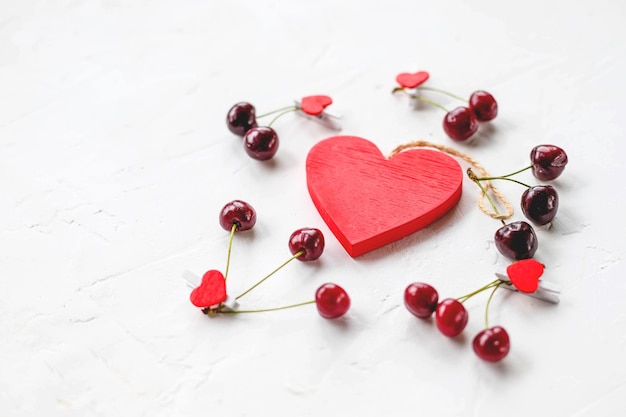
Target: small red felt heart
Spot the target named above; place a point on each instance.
(408, 80)
(368, 201)
(211, 291)
(525, 274)
(315, 105)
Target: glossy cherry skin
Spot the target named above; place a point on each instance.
(492, 344)
(548, 161)
(451, 317)
(421, 299)
(308, 240)
(241, 118)
(332, 301)
(261, 143)
(240, 213)
(460, 123)
(483, 105)
(516, 240)
(540, 204)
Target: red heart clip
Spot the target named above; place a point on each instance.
(408, 80)
(315, 105)
(211, 291)
(525, 274)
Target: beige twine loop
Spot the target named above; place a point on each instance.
(488, 187)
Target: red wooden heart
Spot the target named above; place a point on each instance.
(368, 201)
(315, 105)
(525, 274)
(408, 80)
(211, 291)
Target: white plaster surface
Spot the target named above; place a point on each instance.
(115, 161)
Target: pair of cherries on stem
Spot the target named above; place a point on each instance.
(261, 142)
(305, 245)
(539, 203)
(491, 344)
(461, 122)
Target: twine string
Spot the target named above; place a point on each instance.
(488, 186)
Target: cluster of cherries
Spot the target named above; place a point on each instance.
(461, 122)
(305, 245)
(422, 300)
(261, 142)
(516, 241)
(539, 203)
(451, 317)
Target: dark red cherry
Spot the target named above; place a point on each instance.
(332, 301)
(237, 212)
(451, 317)
(492, 344)
(483, 105)
(261, 142)
(241, 118)
(516, 240)
(540, 204)
(548, 161)
(421, 299)
(308, 240)
(460, 123)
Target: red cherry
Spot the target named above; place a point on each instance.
(548, 161)
(241, 118)
(421, 299)
(460, 123)
(516, 240)
(540, 204)
(492, 344)
(332, 301)
(308, 240)
(483, 105)
(261, 143)
(451, 317)
(237, 212)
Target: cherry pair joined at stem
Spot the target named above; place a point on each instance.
(306, 244)
(261, 142)
(461, 122)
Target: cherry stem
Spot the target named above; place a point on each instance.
(489, 302)
(276, 111)
(506, 178)
(447, 93)
(466, 297)
(289, 110)
(298, 254)
(266, 309)
(230, 245)
(516, 172)
(477, 180)
(432, 103)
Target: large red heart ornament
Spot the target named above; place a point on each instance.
(368, 201)
(211, 291)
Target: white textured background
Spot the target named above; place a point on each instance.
(115, 161)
